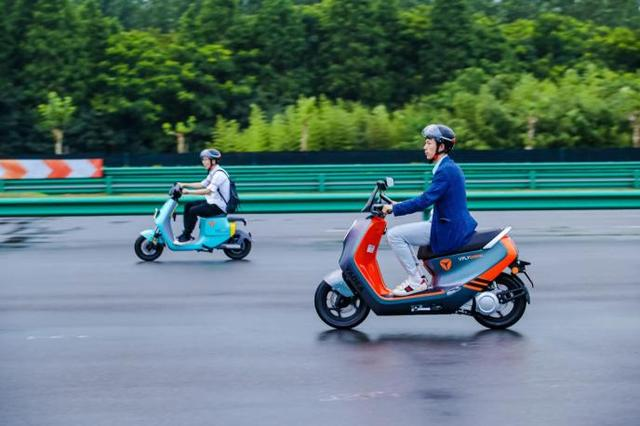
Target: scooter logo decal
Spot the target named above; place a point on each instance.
(418, 308)
(445, 264)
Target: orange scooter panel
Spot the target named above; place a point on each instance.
(365, 256)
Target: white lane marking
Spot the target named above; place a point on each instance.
(57, 337)
(360, 396)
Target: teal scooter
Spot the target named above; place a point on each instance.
(216, 233)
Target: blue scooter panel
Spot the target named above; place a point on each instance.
(213, 230)
(451, 271)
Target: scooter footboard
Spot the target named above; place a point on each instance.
(337, 283)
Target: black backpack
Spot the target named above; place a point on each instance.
(234, 200)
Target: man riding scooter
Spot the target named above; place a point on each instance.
(451, 225)
(215, 188)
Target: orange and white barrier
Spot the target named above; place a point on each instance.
(50, 169)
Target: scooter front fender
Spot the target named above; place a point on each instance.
(336, 282)
(149, 233)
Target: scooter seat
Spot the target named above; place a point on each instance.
(478, 240)
(237, 219)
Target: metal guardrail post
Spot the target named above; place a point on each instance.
(321, 182)
(636, 179)
(532, 179)
(109, 184)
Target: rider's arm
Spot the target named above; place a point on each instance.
(194, 185)
(438, 187)
(201, 191)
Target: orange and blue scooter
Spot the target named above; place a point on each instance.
(481, 279)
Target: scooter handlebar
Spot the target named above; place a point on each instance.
(176, 191)
(386, 199)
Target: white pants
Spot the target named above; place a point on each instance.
(404, 238)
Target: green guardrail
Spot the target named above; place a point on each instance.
(318, 202)
(345, 178)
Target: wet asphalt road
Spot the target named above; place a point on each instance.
(91, 336)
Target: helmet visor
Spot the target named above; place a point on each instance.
(431, 132)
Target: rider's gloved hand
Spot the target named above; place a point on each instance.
(387, 209)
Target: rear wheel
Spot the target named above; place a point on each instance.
(508, 313)
(337, 310)
(239, 253)
(147, 250)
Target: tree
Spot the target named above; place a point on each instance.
(278, 43)
(559, 41)
(55, 116)
(211, 21)
(626, 102)
(305, 108)
(529, 100)
(49, 51)
(451, 39)
(180, 130)
(354, 56)
(141, 82)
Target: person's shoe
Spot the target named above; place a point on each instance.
(409, 286)
(183, 239)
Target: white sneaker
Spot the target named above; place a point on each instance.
(408, 287)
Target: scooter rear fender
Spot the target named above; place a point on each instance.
(337, 283)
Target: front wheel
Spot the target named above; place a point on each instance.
(506, 314)
(337, 310)
(147, 250)
(239, 253)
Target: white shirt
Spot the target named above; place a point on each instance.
(217, 180)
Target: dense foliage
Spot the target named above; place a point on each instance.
(251, 75)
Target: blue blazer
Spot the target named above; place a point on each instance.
(452, 225)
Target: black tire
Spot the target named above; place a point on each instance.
(242, 252)
(330, 306)
(146, 250)
(510, 312)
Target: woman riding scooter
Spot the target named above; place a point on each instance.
(215, 188)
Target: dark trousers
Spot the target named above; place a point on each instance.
(194, 209)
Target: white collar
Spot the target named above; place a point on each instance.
(435, 168)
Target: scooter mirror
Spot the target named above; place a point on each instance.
(389, 181)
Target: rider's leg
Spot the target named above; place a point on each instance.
(202, 209)
(206, 210)
(190, 217)
(403, 239)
